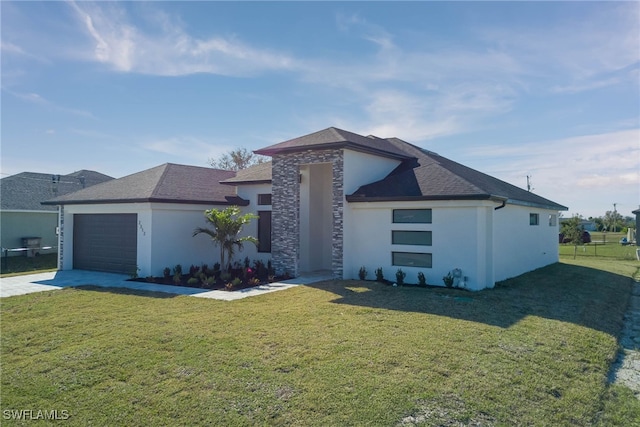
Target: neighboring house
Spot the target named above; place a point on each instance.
(585, 224)
(22, 214)
(332, 200)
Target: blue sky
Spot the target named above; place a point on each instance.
(546, 89)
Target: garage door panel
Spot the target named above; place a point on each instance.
(105, 242)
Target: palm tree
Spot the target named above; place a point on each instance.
(227, 225)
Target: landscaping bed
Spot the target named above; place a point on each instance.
(239, 276)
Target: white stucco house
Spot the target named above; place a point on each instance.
(332, 200)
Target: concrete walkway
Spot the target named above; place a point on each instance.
(20, 285)
(626, 368)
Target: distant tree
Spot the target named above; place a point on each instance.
(613, 221)
(572, 232)
(227, 225)
(599, 223)
(237, 159)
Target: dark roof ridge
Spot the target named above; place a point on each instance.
(156, 189)
(335, 138)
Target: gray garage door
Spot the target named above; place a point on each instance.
(105, 242)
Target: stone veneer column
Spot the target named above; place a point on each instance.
(285, 220)
(285, 216)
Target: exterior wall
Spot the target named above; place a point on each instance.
(164, 236)
(521, 247)
(18, 224)
(462, 237)
(285, 245)
(316, 223)
(362, 168)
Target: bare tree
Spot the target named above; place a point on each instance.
(237, 159)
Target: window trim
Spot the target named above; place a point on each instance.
(422, 232)
(534, 218)
(261, 201)
(430, 260)
(261, 248)
(395, 220)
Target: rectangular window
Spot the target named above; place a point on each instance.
(264, 199)
(264, 231)
(411, 259)
(412, 216)
(401, 237)
(552, 220)
(534, 219)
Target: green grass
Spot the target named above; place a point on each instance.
(612, 249)
(535, 351)
(16, 265)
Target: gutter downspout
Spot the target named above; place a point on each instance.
(502, 201)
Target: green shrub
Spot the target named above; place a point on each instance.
(177, 270)
(192, 281)
(400, 275)
(448, 280)
(362, 274)
(422, 280)
(379, 275)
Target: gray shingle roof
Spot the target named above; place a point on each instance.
(335, 138)
(256, 174)
(27, 190)
(429, 176)
(167, 183)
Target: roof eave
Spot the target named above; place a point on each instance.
(551, 206)
(356, 199)
(247, 182)
(337, 145)
(229, 201)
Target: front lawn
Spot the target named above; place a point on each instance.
(535, 351)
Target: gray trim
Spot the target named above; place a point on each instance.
(236, 201)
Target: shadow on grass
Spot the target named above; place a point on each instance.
(589, 297)
(126, 291)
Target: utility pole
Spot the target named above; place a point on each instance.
(529, 183)
(615, 216)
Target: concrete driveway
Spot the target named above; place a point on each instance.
(20, 285)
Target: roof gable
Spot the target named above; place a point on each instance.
(256, 174)
(335, 138)
(167, 183)
(432, 177)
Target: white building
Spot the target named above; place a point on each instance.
(332, 200)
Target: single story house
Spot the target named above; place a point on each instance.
(331, 200)
(22, 215)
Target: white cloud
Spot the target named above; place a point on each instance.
(37, 99)
(582, 172)
(171, 53)
(9, 48)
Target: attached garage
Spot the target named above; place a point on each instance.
(142, 223)
(105, 242)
